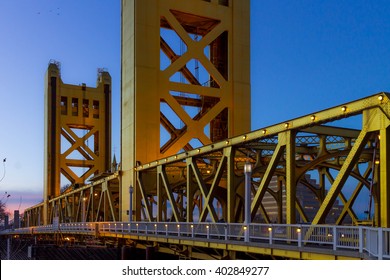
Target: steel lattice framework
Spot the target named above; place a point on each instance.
(185, 140)
(77, 134)
(185, 79)
(207, 184)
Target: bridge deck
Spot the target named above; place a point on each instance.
(275, 240)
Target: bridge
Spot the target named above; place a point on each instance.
(212, 241)
(209, 188)
(215, 238)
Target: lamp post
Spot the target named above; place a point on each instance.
(247, 220)
(131, 190)
(83, 210)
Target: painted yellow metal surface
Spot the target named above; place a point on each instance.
(185, 79)
(77, 132)
(185, 134)
(207, 183)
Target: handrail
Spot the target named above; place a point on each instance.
(371, 241)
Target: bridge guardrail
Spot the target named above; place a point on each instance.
(374, 242)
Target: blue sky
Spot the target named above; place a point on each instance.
(305, 56)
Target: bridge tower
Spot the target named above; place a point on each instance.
(185, 80)
(77, 132)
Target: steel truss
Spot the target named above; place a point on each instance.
(95, 202)
(334, 163)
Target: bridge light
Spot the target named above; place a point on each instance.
(166, 225)
(264, 131)
(227, 142)
(207, 226)
(198, 150)
(380, 97)
(286, 125)
(244, 137)
(247, 167)
(245, 228)
(178, 226)
(377, 161)
(270, 229)
(313, 118)
(298, 230)
(192, 226)
(344, 108)
(155, 225)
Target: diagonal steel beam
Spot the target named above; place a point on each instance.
(279, 150)
(144, 196)
(342, 176)
(342, 198)
(163, 176)
(203, 190)
(215, 183)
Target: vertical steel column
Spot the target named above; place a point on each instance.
(230, 183)
(148, 87)
(384, 183)
(291, 185)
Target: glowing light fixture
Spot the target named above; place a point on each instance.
(248, 167)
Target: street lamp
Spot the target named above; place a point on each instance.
(248, 175)
(83, 210)
(131, 190)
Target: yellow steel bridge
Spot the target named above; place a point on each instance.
(213, 216)
(193, 179)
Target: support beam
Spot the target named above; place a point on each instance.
(291, 184)
(384, 183)
(341, 177)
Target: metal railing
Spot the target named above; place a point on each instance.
(369, 242)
